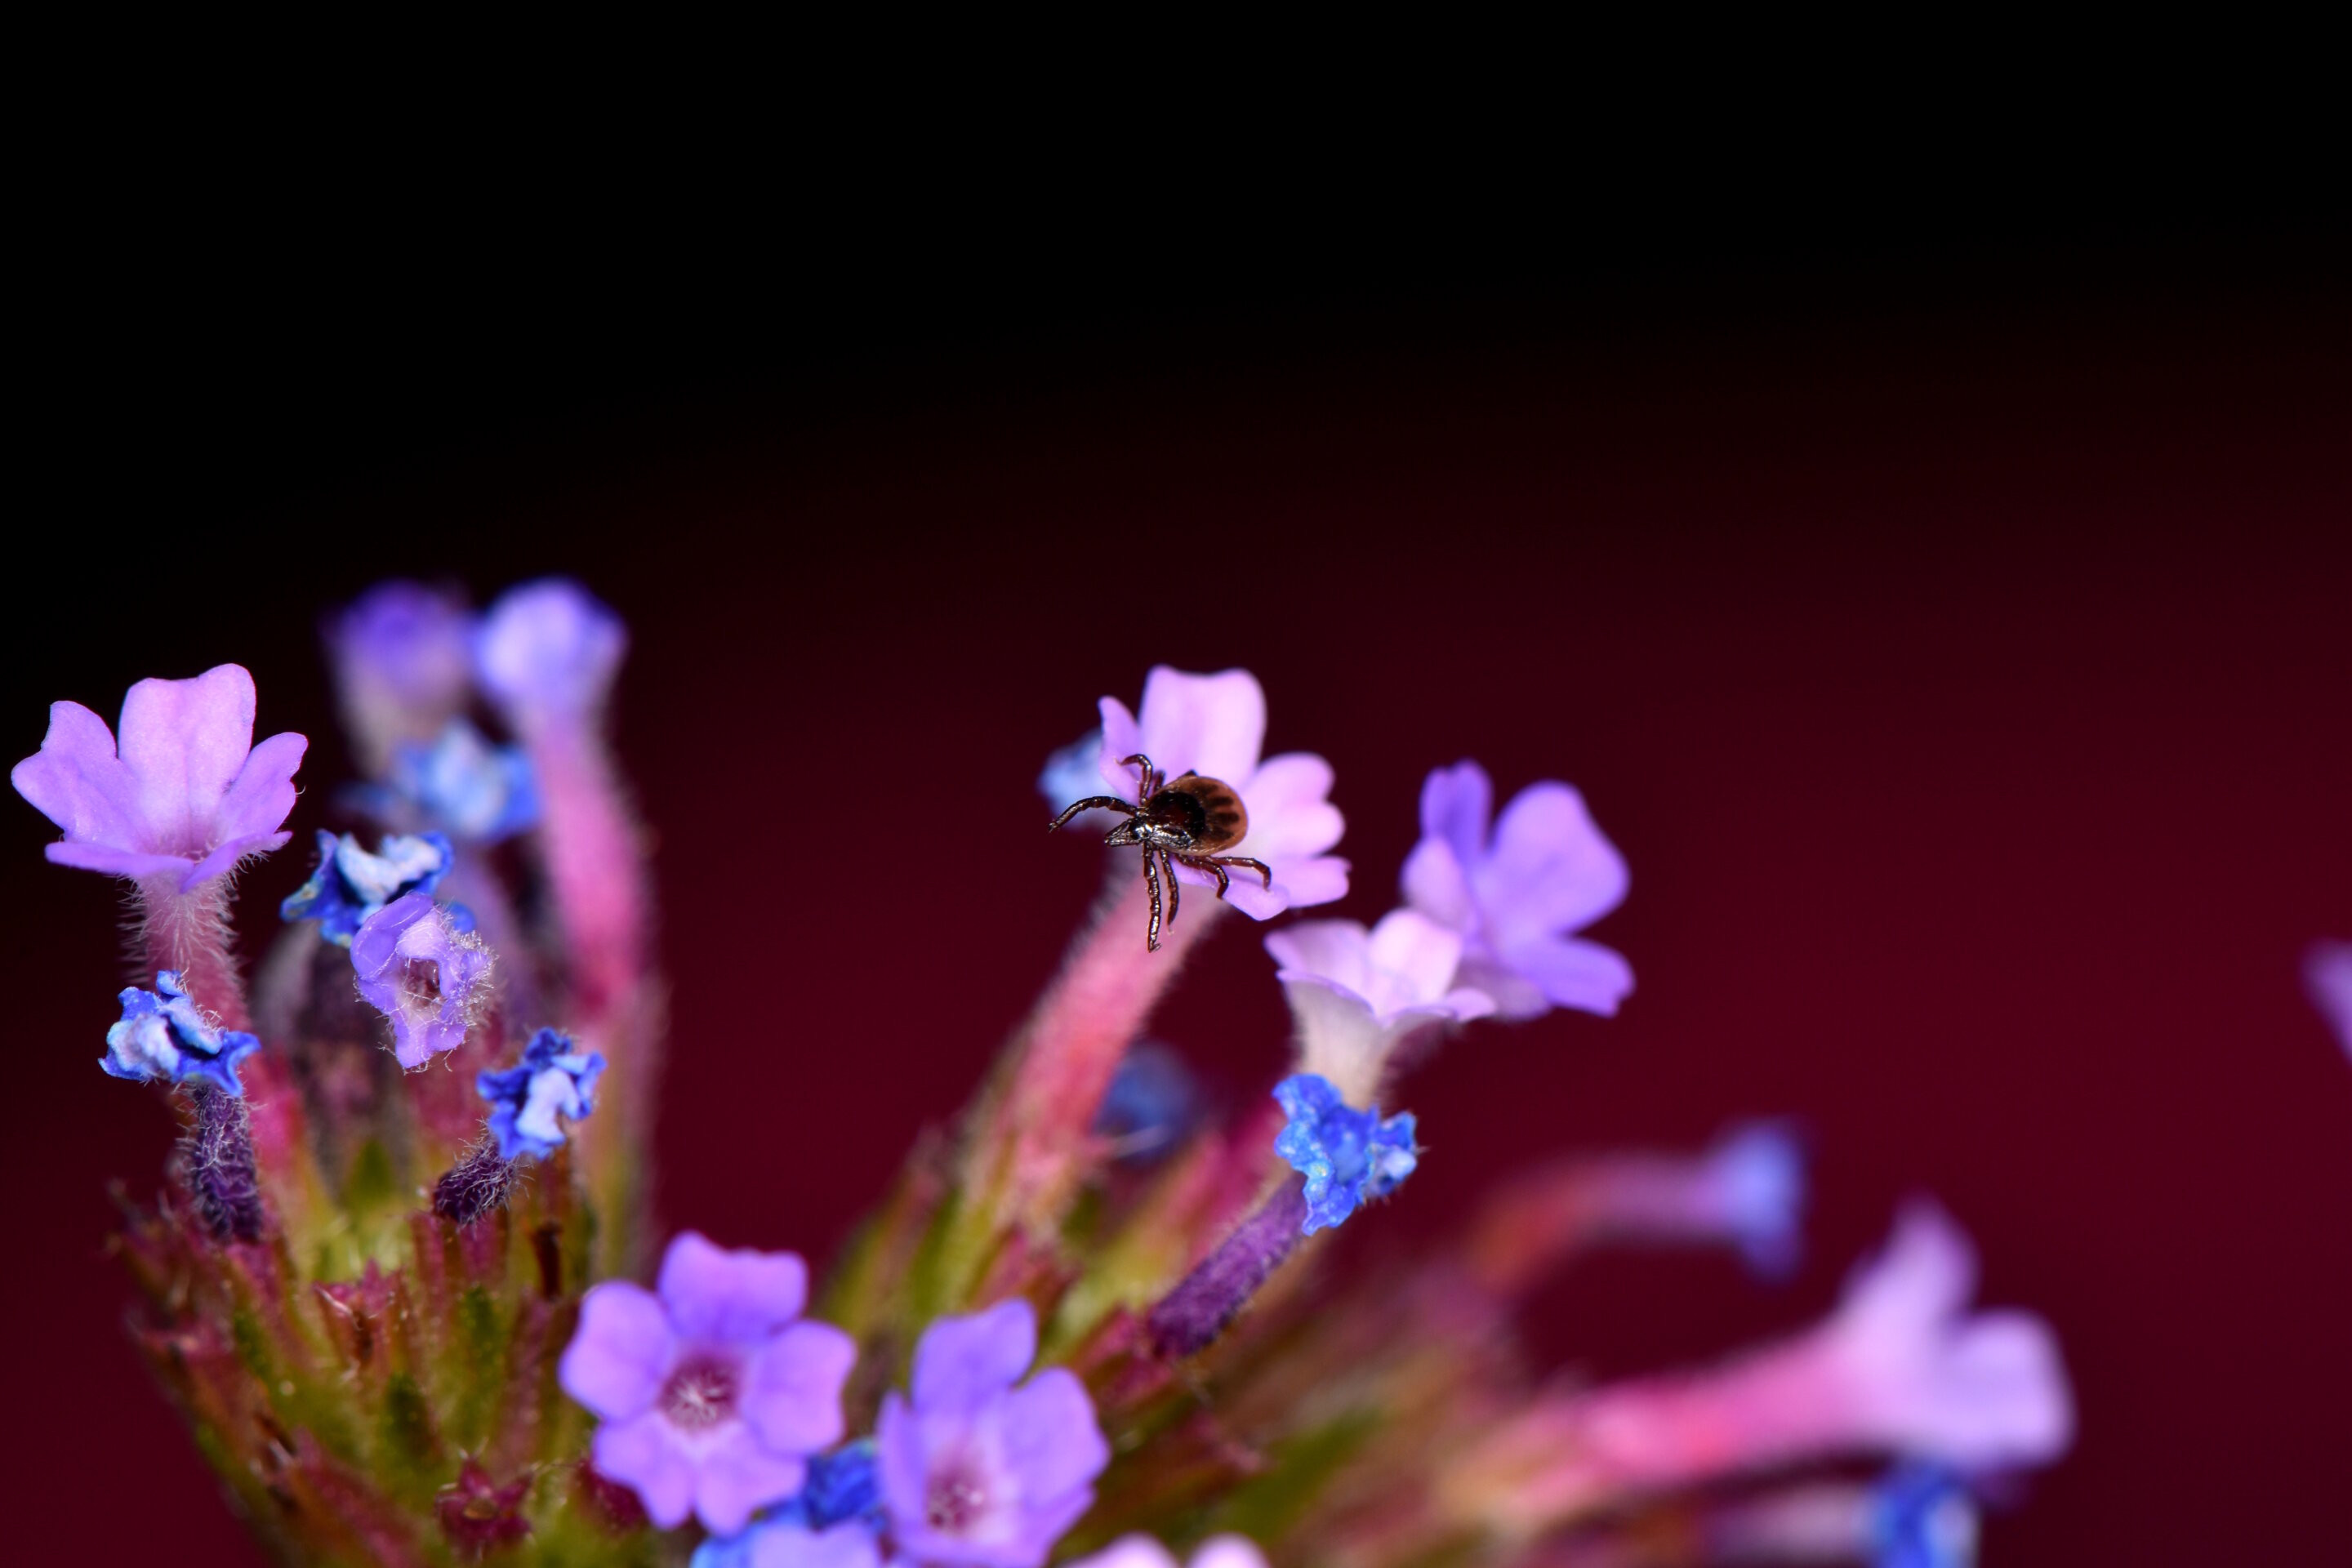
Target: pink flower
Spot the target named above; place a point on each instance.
(1516, 894)
(187, 793)
(1142, 1552)
(1357, 994)
(1215, 725)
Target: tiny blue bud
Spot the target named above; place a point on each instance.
(1347, 1156)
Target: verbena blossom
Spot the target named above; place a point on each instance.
(530, 1100)
(1357, 995)
(164, 1036)
(974, 1470)
(547, 652)
(402, 654)
(186, 795)
(1350, 1157)
(1518, 893)
(1215, 725)
(420, 967)
(2327, 973)
(351, 883)
(712, 1389)
(1142, 1552)
(460, 784)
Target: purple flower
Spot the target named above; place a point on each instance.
(1750, 1189)
(831, 1523)
(548, 651)
(1543, 872)
(1923, 1517)
(1215, 725)
(350, 884)
(1349, 1157)
(163, 1037)
(403, 661)
(188, 794)
(1142, 1552)
(974, 1470)
(2327, 972)
(420, 970)
(552, 1081)
(711, 1390)
(1357, 994)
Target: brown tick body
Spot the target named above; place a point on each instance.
(1183, 822)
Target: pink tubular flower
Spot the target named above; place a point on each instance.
(1215, 725)
(187, 794)
(1516, 895)
(1357, 994)
(712, 1391)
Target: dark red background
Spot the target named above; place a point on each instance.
(1959, 653)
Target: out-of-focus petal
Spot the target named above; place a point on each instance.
(963, 1361)
(1130, 1552)
(548, 650)
(791, 1395)
(622, 1352)
(736, 1475)
(1121, 737)
(1228, 1551)
(1455, 805)
(642, 1455)
(1289, 812)
(1050, 1438)
(730, 1297)
(1551, 870)
(1435, 884)
(1415, 958)
(794, 1546)
(1212, 724)
(1569, 971)
(1336, 950)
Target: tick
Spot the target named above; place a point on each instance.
(1183, 822)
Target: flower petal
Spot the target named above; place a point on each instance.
(1412, 958)
(76, 782)
(850, 1545)
(1456, 804)
(1336, 950)
(1290, 816)
(643, 1454)
(736, 1475)
(1052, 1440)
(1569, 971)
(1436, 885)
(183, 743)
(963, 1361)
(1121, 737)
(115, 862)
(262, 795)
(622, 1352)
(1551, 870)
(224, 860)
(1130, 1552)
(1212, 724)
(791, 1390)
(738, 1296)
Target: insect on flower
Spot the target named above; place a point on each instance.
(1183, 822)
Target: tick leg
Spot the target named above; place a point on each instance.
(1091, 803)
(1213, 869)
(1152, 884)
(1175, 890)
(1258, 866)
(1149, 785)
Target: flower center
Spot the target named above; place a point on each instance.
(420, 984)
(701, 1393)
(955, 1501)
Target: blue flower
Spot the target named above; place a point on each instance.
(462, 785)
(1347, 1156)
(1151, 1105)
(552, 1080)
(163, 1036)
(349, 884)
(1924, 1518)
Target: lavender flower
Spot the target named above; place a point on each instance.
(830, 1524)
(1515, 896)
(349, 884)
(418, 968)
(1357, 994)
(187, 794)
(974, 1470)
(547, 652)
(1751, 1189)
(2327, 973)
(163, 1037)
(712, 1389)
(552, 1081)
(1215, 724)
(403, 666)
(1347, 1156)
(460, 784)
(1142, 1552)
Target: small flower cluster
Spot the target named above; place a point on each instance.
(1087, 1329)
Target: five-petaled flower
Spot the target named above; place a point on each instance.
(403, 665)
(974, 1470)
(712, 1389)
(351, 883)
(1516, 894)
(1349, 1157)
(186, 795)
(419, 967)
(1357, 994)
(552, 1081)
(164, 1036)
(1215, 725)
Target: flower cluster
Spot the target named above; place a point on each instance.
(1085, 1329)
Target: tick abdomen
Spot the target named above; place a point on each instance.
(1198, 814)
